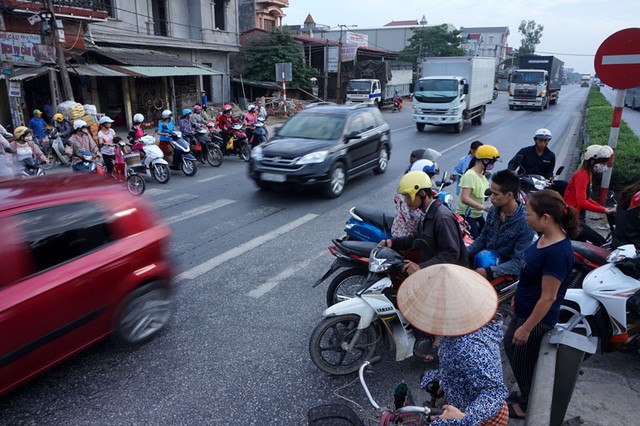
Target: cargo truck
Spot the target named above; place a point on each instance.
(378, 81)
(452, 90)
(536, 83)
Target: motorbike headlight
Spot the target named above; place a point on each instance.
(313, 158)
(539, 184)
(256, 153)
(378, 264)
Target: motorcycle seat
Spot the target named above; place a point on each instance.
(382, 219)
(592, 253)
(359, 248)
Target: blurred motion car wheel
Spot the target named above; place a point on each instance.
(143, 314)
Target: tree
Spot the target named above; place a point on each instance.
(432, 41)
(531, 35)
(261, 55)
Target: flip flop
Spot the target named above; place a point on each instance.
(513, 414)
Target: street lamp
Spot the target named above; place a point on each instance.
(423, 22)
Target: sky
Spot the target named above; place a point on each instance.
(573, 29)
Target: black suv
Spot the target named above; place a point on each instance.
(323, 146)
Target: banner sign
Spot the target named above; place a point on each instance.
(362, 40)
(14, 89)
(349, 52)
(332, 59)
(21, 48)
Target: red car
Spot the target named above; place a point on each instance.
(82, 259)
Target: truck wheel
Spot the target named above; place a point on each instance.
(420, 126)
(457, 128)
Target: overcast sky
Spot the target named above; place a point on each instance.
(573, 29)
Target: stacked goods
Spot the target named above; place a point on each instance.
(64, 108)
(89, 115)
(77, 112)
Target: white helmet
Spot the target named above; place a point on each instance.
(105, 119)
(79, 124)
(251, 107)
(542, 134)
(598, 153)
(138, 118)
(148, 140)
(166, 114)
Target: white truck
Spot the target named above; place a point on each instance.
(378, 81)
(452, 90)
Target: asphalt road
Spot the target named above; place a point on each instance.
(236, 350)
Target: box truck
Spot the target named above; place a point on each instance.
(378, 81)
(536, 83)
(452, 90)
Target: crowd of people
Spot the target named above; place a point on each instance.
(531, 242)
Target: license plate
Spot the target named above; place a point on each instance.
(273, 177)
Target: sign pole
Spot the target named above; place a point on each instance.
(284, 91)
(613, 143)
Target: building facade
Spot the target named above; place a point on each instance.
(261, 14)
(485, 41)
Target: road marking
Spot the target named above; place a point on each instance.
(402, 128)
(211, 178)
(278, 279)
(166, 202)
(214, 262)
(205, 208)
(155, 191)
(621, 60)
(460, 143)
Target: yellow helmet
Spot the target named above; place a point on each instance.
(58, 117)
(487, 152)
(21, 131)
(412, 182)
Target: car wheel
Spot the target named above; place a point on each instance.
(420, 126)
(143, 314)
(383, 160)
(337, 179)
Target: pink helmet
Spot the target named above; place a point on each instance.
(197, 108)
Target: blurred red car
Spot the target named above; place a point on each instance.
(82, 259)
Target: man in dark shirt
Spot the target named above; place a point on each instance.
(537, 159)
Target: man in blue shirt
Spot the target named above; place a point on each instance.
(463, 164)
(37, 125)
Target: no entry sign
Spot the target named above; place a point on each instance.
(617, 60)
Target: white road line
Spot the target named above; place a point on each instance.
(155, 191)
(211, 178)
(214, 262)
(460, 143)
(165, 202)
(402, 128)
(198, 211)
(278, 279)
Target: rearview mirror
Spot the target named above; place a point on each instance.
(352, 135)
(560, 170)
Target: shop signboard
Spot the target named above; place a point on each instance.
(24, 49)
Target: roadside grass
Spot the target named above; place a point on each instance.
(598, 118)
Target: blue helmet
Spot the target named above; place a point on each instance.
(423, 165)
(186, 111)
(486, 258)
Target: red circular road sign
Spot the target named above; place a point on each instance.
(617, 60)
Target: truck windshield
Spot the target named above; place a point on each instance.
(527, 77)
(359, 87)
(313, 126)
(436, 90)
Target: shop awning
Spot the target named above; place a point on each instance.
(96, 70)
(148, 71)
(21, 74)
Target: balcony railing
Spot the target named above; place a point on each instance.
(94, 5)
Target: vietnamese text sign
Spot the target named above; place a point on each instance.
(14, 89)
(332, 59)
(361, 40)
(21, 48)
(349, 52)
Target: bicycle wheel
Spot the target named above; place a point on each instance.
(135, 184)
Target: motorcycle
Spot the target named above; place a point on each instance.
(397, 105)
(608, 304)
(182, 157)
(133, 181)
(259, 133)
(530, 183)
(31, 167)
(208, 149)
(153, 163)
(238, 143)
(58, 151)
(87, 163)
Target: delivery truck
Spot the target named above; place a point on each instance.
(536, 83)
(452, 90)
(378, 81)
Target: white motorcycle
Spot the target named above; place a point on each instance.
(350, 331)
(153, 163)
(608, 304)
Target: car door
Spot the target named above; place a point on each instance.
(373, 135)
(54, 308)
(358, 148)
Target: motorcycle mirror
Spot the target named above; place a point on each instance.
(431, 154)
(560, 170)
(487, 192)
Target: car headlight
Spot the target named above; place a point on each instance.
(313, 158)
(256, 153)
(453, 111)
(377, 265)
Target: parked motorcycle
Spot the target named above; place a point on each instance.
(238, 143)
(260, 133)
(153, 163)
(58, 151)
(608, 304)
(182, 157)
(531, 183)
(31, 167)
(397, 106)
(209, 150)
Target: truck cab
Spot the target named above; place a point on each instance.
(439, 101)
(528, 89)
(363, 91)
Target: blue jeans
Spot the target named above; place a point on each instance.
(475, 225)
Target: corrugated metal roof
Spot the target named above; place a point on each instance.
(140, 57)
(147, 71)
(26, 73)
(96, 70)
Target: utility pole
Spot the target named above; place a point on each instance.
(60, 59)
(342, 26)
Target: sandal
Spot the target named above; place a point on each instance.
(512, 412)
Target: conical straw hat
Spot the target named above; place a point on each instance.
(447, 300)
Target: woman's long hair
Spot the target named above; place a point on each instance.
(624, 197)
(550, 202)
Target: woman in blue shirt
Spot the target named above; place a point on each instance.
(543, 283)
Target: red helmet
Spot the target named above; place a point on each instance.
(197, 108)
(635, 201)
(226, 108)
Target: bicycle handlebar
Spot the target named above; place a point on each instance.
(420, 410)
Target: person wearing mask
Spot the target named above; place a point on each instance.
(506, 231)
(463, 164)
(165, 127)
(106, 143)
(23, 146)
(544, 279)
(224, 122)
(185, 125)
(436, 300)
(578, 190)
(197, 118)
(473, 185)
(627, 230)
(250, 119)
(38, 126)
(62, 126)
(80, 141)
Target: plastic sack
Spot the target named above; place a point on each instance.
(90, 109)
